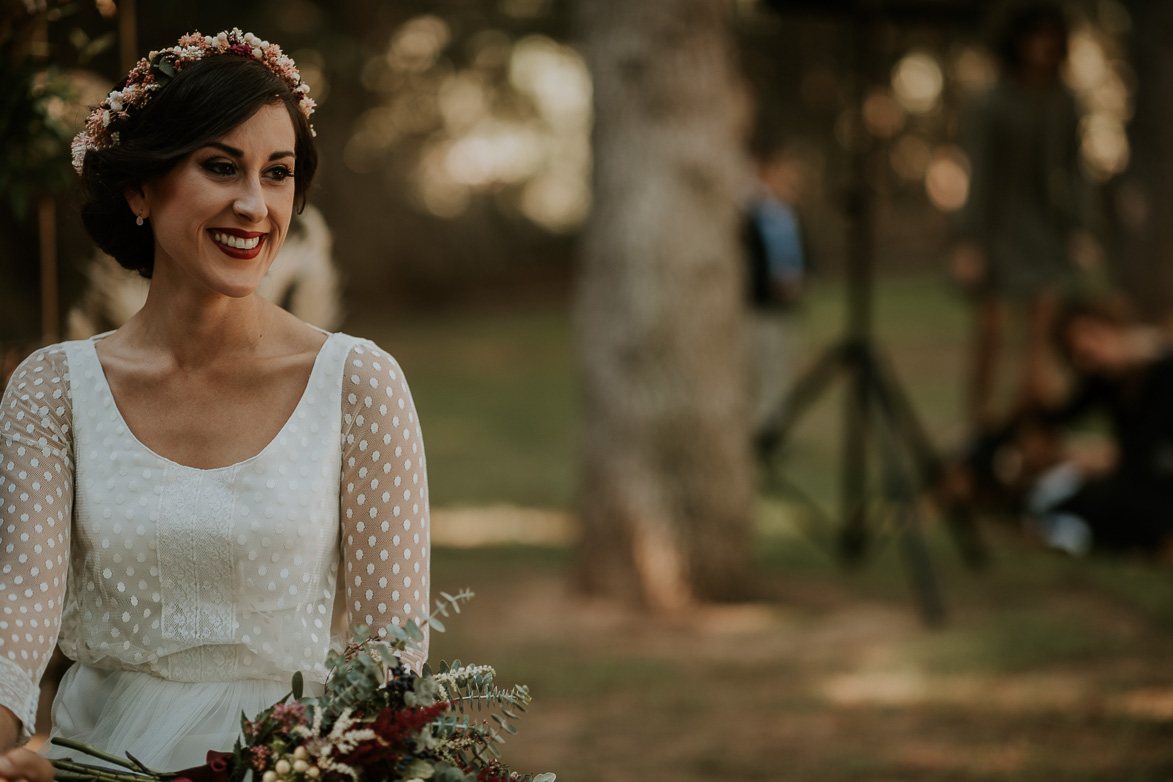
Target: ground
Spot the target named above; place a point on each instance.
(1047, 669)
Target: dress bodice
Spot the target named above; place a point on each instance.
(192, 575)
(203, 575)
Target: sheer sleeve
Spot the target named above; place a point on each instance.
(36, 499)
(386, 549)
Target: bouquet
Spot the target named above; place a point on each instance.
(376, 721)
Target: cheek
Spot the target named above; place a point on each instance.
(280, 205)
(281, 210)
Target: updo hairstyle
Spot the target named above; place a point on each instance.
(204, 102)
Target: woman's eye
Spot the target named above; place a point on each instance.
(220, 167)
(279, 173)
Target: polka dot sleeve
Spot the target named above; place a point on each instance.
(36, 498)
(386, 549)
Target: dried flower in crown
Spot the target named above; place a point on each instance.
(152, 73)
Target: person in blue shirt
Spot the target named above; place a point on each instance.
(777, 265)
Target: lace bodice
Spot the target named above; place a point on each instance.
(143, 564)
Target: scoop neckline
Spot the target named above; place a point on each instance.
(104, 385)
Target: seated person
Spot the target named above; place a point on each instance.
(1123, 503)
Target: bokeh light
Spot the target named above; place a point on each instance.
(947, 178)
(417, 44)
(882, 114)
(1104, 85)
(973, 69)
(917, 82)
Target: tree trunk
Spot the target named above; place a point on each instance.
(667, 480)
(1145, 194)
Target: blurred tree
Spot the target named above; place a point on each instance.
(667, 475)
(1145, 192)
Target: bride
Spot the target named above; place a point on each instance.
(180, 498)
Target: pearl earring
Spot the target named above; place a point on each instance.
(138, 220)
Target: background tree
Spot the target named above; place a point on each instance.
(1145, 192)
(666, 472)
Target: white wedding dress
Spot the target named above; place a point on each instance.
(187, 596)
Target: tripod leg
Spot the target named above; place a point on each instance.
(901, 486)
(899, 411)
(920, 567)
(854, 538)
(806, 390)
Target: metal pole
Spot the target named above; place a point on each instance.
(854, 537)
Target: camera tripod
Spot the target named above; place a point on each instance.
(877, 409)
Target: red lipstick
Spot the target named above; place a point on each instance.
(235, 243)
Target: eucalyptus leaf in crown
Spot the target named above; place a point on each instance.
(375, 720)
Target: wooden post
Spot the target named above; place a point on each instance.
(127, 35)
(47, 234)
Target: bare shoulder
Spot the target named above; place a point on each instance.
(293, 338)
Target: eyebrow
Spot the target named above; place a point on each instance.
(238, 153)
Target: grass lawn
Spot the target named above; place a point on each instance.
(1049, 669)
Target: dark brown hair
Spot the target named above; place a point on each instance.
(204, 102)
(1024, 20)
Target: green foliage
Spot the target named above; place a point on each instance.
(34, 134)
(35, 104)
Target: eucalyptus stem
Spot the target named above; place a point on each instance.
(97, 753)
(71, 770)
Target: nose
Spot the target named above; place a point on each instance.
(250, 201)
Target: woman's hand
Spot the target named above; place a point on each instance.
(16, 764)
(20, 765)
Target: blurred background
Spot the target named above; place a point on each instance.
(539, 206)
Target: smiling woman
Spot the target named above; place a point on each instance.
(230, 200)
(179, 498)
(204, 103)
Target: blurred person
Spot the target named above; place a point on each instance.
(776, 266)
(1119, 498)
(183, 499)
(1022, 219)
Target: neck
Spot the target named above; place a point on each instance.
(197, 330)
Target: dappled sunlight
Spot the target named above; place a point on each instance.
(522, 140)
(903, 685)
(794, 689)
(501, 525)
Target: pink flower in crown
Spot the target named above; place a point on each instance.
(141, 83)
(193, 39)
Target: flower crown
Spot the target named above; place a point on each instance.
(153, 73)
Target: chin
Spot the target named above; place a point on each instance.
(237, 286)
